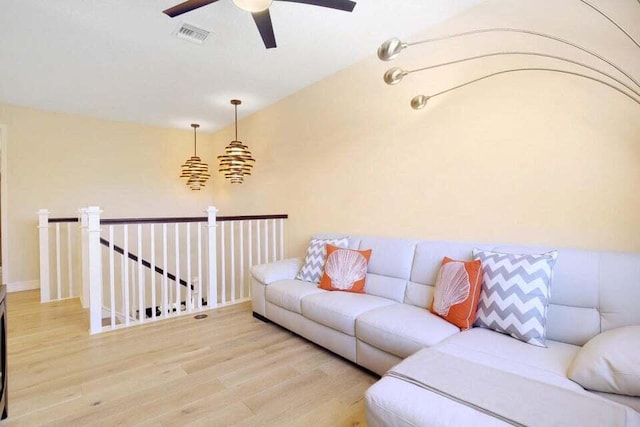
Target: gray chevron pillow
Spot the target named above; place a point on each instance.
(313, 267)
(515, 294)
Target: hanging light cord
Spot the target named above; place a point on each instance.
(195, 145)
(236, 117)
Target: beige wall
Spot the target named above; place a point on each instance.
(529, 158)
(62, 162)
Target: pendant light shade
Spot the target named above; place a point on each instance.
(194, 169)
(236, 162)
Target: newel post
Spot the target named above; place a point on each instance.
(212, 300)
(94, 263)
(43, 231)
(84, 257)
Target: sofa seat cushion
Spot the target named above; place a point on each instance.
(402, 329)
(630, 401)
(490, 348)
(288, 293)
(339, 310)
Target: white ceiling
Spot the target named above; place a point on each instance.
(118, 59)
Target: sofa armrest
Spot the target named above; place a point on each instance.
(278, 270)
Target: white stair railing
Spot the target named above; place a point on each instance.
(133, 271)
(59, 252)
(132, 292)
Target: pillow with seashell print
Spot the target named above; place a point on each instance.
(457, 291)
(345, 269)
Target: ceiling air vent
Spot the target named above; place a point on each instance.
(191, 33)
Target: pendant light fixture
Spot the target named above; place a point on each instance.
(194, 169)
(237, 162)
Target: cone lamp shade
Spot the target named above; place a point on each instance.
(236, 162)
(194, 169)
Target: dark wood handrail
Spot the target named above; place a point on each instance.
(116, 221)
(189, 219)
(134, 257)
(55, 220)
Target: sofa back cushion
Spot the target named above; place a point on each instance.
(619, 289)
(389, 266)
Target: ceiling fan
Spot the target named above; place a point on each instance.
(260, 11)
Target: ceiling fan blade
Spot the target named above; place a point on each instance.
(345, 5)
(186, 6)
(263, 22)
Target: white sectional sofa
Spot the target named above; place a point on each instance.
(591, 292)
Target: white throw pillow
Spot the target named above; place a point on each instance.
(610, 362)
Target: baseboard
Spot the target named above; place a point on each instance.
(27, 285)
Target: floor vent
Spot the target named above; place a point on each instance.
(191, 33)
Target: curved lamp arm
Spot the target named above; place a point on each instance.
(395, 75)
(391, 48)
(610, 19)
(420, 101)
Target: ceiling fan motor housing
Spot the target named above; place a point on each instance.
(253, 5)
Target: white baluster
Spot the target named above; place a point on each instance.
(43, 232)
(233, 261)
(141, 308)
(223, 266)
(165, 277)
(58, 269)
(213, 268)
(112, 278)
(177, 240)
(134, 284)
(126, 310)
(250, 243)
(95, 270)
(258, 245)
(242, 284)
(188, 302)
(152, 234)
(266, 241)
(273, 240)
(199, 224)
(69, 260)
(281, 238)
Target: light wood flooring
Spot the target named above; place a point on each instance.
(228, 369)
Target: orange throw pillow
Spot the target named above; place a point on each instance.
(345, 269)
(457, 292)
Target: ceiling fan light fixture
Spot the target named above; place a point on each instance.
(253, 6)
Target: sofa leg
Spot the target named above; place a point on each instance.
(261, 317)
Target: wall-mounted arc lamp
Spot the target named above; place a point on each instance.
(390, 49)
